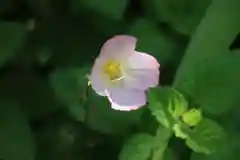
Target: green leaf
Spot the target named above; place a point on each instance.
(138, 147)
(70, 88)
(12, 36)
(178, 131)
(162, 138)
(205, 62)
(161, 114)
(101, 117)
(213, 96)
(229, 150)
(191, 17)
(143, 146)
(178, 104)
(114, 9)
(169, 155)
(155, 42)
(16, 138)
(206, 137)
(166, 104)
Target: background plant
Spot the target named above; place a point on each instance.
(48, 111)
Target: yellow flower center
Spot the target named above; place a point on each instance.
(112, 69)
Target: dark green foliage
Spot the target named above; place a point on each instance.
(49, 112)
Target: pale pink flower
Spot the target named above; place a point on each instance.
(122, 74)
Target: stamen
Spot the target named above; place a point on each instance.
(113, 70)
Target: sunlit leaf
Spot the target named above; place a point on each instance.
(179, 132)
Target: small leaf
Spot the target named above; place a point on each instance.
(16, 139)
(192, 117)
(137, 148)
(166, 104)
(161, 114)
(178, 104)
(179, 132)
(205, 137)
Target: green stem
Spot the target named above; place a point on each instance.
(163, 136)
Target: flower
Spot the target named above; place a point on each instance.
(122, 74)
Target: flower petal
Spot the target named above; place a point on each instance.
(119, 46)
(140, 60)
(141, 71)
(123, 108)
(141, 79)
(97, 79)
(125, 99)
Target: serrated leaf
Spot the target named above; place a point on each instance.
(205, 137)
(153, 41)
(161, 114)
(12, 36)
(17, 141)
(70, 86)
(178, 104)
(138, 147)
(101, 117)
(166, 104)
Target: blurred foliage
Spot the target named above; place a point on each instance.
(48, 111)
